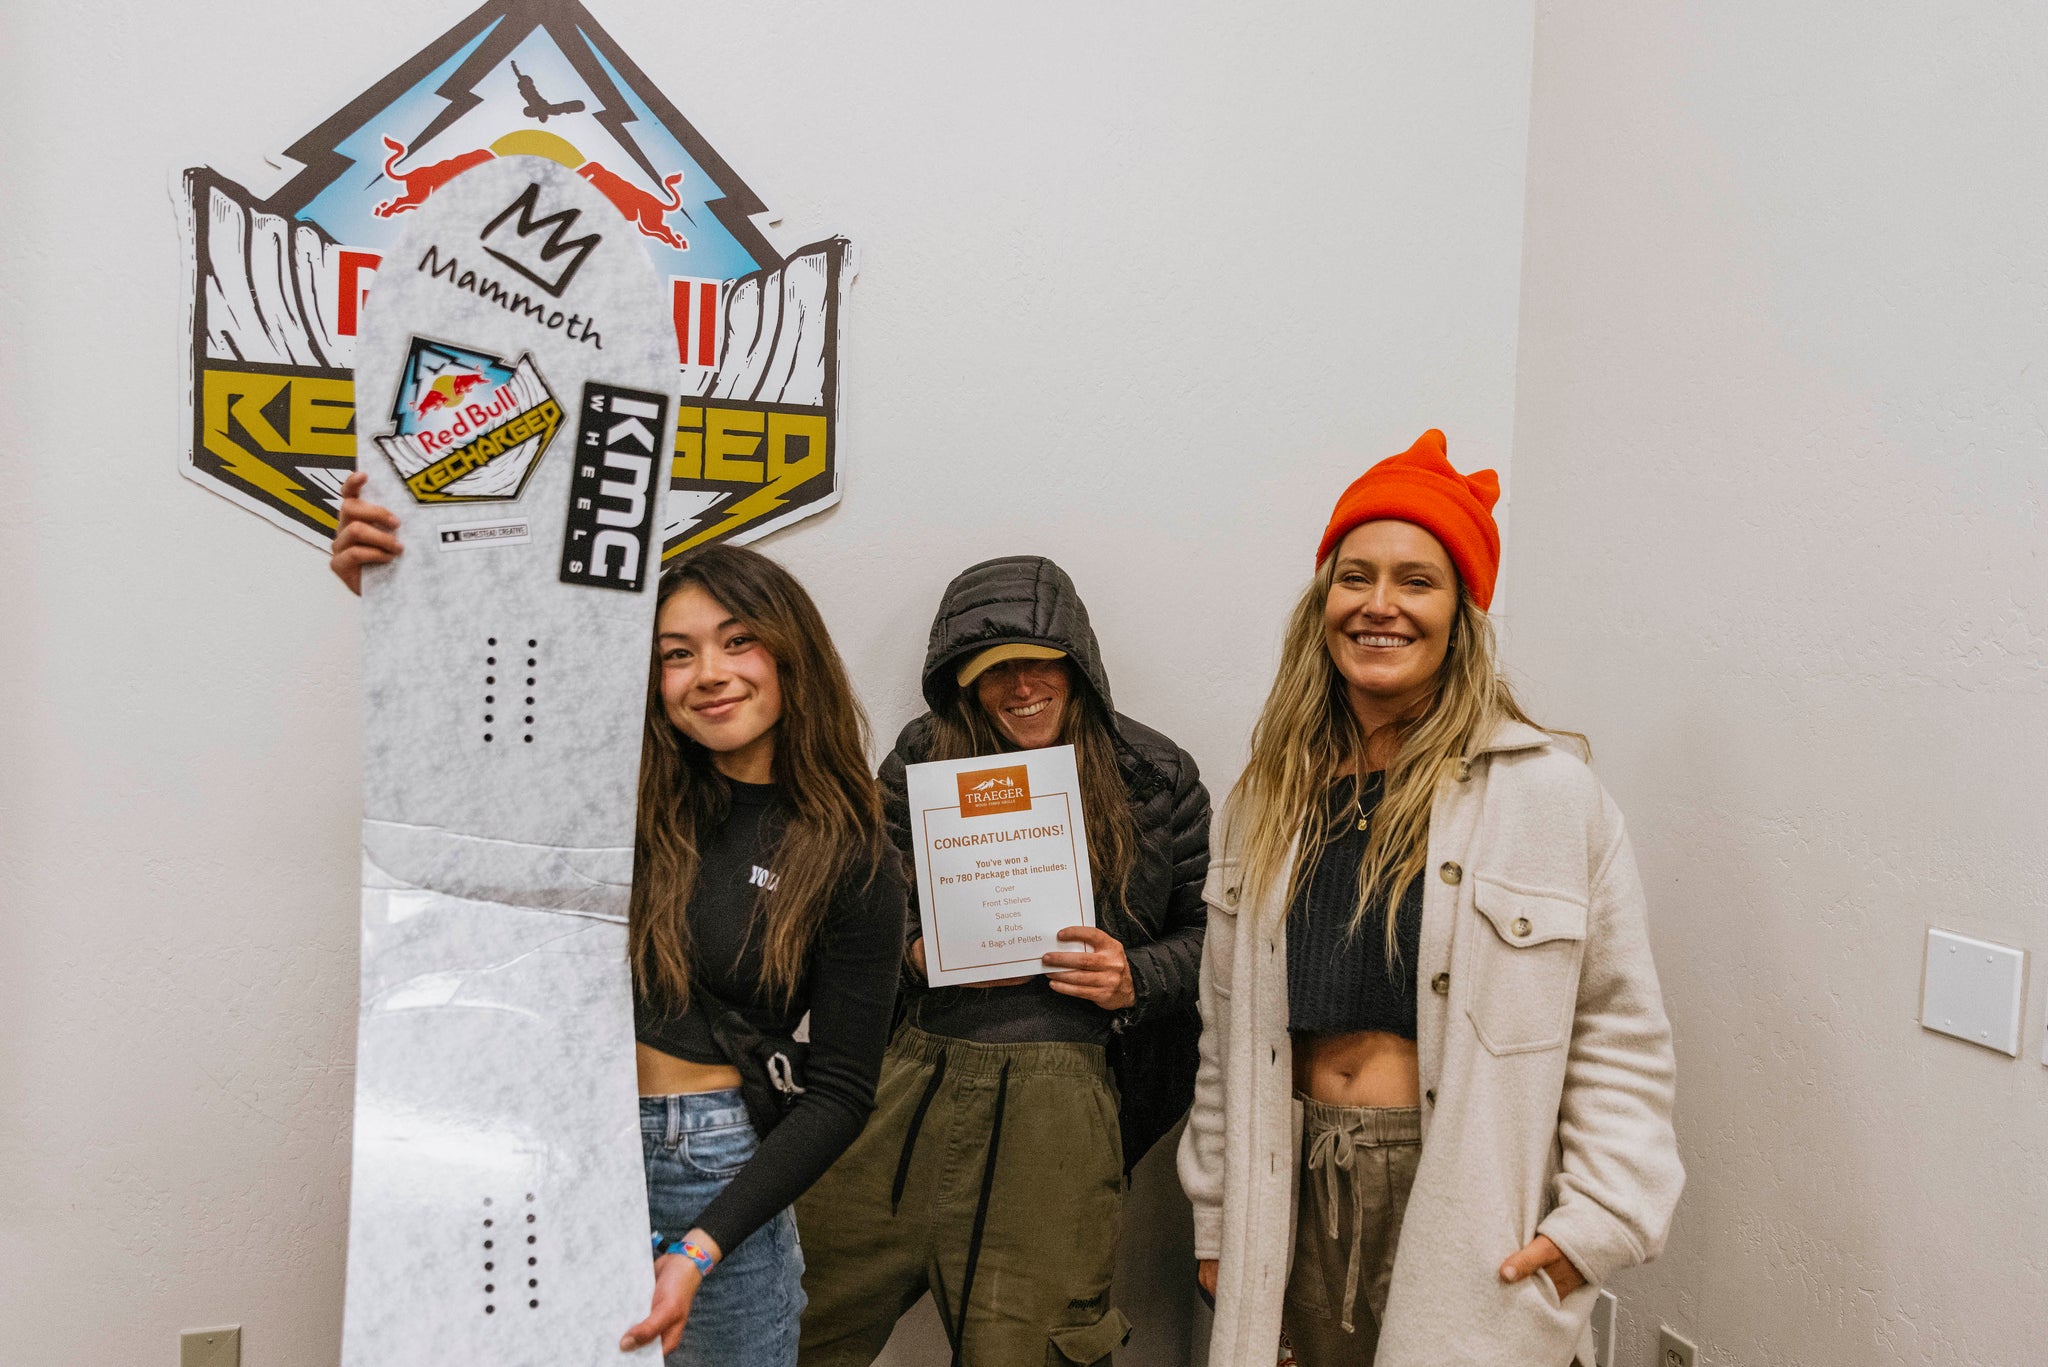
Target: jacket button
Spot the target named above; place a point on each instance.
(1520, 927)
(1450, 873)
(1430, 1096)
(1441, 984)
(1464, 771)
(1230, 896)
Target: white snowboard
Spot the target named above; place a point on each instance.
(515, 385)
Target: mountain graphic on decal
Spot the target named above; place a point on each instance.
(278, 280)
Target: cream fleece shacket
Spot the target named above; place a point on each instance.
(1546, 1072)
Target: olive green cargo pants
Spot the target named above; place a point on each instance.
(990, 1175)
(1358, 1165)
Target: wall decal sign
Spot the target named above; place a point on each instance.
(278, 281)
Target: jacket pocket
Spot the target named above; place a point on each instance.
(1220, 886)
(1527, 962)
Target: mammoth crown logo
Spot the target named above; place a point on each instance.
(550, 263)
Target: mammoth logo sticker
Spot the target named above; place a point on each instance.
(278, 280)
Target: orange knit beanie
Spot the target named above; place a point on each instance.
(1419, 486)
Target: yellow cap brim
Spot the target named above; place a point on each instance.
(982, 662)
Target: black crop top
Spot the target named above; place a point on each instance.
(1338, 981)
(849, 988)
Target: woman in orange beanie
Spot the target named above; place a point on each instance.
(1433, 1042)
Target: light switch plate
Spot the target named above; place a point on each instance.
(1973, 989)
(1603, 1329)
(1673, 1351)
(211, 1347)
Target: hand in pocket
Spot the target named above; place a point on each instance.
(1541, 1255)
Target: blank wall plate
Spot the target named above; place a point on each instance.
(1603, 1329)
(1973, 989)
(211, 1347)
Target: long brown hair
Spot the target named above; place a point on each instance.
(963, 729)
(821, 747)
(1307, 738)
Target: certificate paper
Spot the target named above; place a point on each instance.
(1002, 862)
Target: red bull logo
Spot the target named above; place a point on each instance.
(645, 210)
(448, 391)
(642, 210)
(424, 180)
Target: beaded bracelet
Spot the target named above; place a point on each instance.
(689, 1248)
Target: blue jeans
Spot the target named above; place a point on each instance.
(747, 1311)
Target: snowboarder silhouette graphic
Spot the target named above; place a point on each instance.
(536, 107)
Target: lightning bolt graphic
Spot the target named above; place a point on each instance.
(318, 151)
(460, 87)
(753, 507)
(616, 113)
(243, 397)
(793, 452)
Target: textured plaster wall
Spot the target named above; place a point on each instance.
(1142, 286)
(1779, 482)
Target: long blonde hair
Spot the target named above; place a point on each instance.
(1307, 738)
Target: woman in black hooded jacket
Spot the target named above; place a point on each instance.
(1009, 1113)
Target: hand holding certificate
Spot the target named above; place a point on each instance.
(1002, 862)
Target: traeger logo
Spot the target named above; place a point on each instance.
(612, 501)
(987, 792)
(551, 264)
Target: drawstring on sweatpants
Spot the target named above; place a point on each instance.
(988, 1184)
(1335, 1150)
(924, 1103)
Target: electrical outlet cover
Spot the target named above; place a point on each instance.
(1673, 1351)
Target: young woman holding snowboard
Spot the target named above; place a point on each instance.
(763, 888)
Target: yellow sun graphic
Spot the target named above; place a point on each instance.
(538, 142)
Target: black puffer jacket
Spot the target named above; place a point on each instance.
(1152, 1045)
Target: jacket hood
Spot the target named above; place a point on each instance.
(1016, 599)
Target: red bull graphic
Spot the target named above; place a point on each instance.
(278, 281)
(644, 210)
(448, 391)
(467, 427)
(423, 181)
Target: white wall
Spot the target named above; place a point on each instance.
(1779, 486)
(1143, 286)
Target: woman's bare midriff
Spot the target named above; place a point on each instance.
(666, 1075)
(1362, 1068)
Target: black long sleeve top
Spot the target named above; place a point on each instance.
(848, 987)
